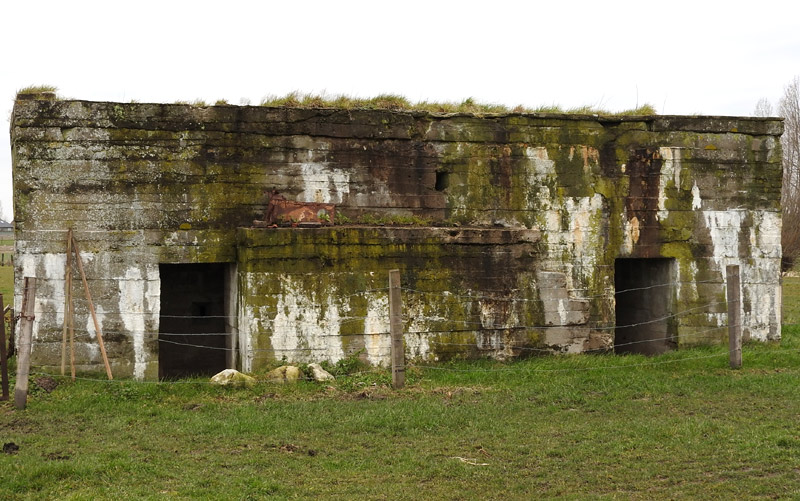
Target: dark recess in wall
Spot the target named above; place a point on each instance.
(192, 314)
(643, 306)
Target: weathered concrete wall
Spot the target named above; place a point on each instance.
(323, 292)
(143, 184)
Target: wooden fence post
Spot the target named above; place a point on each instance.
(3, 355)
(25, 334)
(734, 316)
(396, 330)
(12, 348)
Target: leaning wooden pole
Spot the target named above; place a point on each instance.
(396, 329)
(71, 313)
(24, 349)
(67, 291)
(91, 307)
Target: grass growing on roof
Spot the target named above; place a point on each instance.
(400, 103)
(44, 91)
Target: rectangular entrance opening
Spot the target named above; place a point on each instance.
(644, 306)
(192, 338)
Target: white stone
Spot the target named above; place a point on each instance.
(285, 374)
(232, 377)
(320, 374)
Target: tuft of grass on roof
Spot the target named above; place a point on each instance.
(38, 92)
(645, 109)
(396, 102)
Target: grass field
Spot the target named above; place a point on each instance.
(7, 283)
(681, 425)
(7, 275)
(791, 300)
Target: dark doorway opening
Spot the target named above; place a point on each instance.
(644, 303)
(442, 180)
(192, 335)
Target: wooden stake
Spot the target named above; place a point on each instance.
(396, 329)
(71, 313)
(67, 290)
(3, 355)
(734, 316)
(91, 307)
(25, 334)
(11, 347)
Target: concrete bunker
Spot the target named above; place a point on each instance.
(192, 336)
(644, 305)
(507, 229)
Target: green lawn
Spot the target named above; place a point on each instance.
(791, 300)
(7, 283)
(7, 274)
(680, 425)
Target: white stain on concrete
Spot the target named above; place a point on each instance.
(724, 227)
(697, 202)
(247, 317)
(418, 345)
(562, 311)
(761, 295)
(670, 171)
(766, 234)
(377, 342)
(582, 236)
(323, 184)
(132, 312)
(628, 232)
(48, 269)
(539, 168)
(303, 329)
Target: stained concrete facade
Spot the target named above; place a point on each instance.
(520, 223)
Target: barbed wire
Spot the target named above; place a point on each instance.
(480, 326)
(477, 344)
(445, 294)
(613, 346)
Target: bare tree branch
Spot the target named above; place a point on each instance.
(789, 109)
(763, 108)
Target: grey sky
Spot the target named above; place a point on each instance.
(683, 57)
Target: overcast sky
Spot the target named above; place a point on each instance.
(683, 57)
